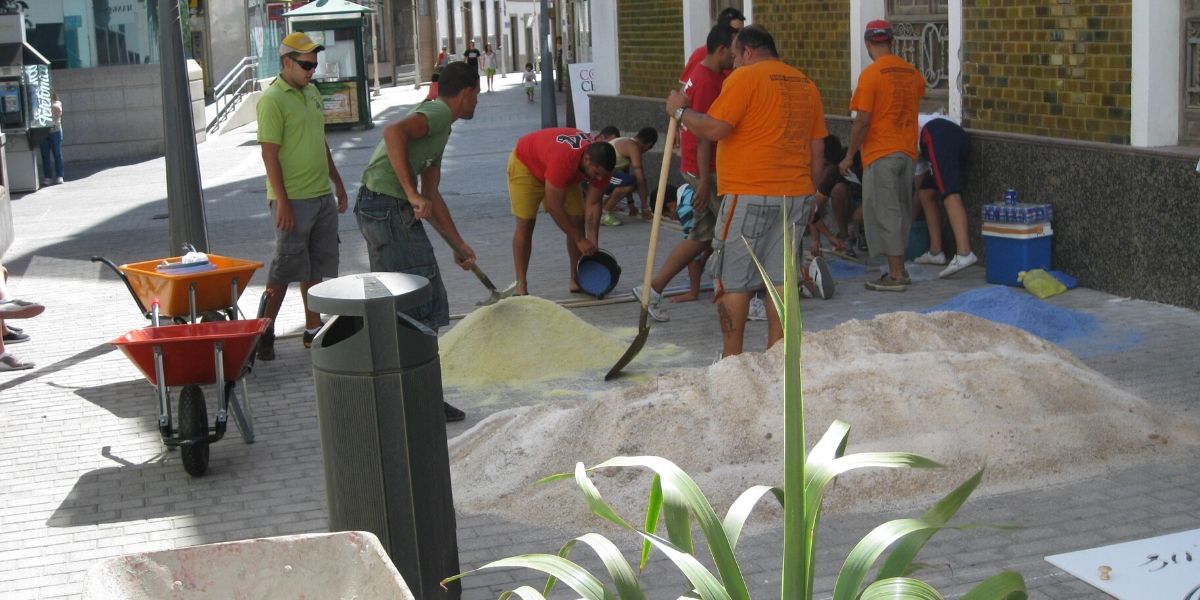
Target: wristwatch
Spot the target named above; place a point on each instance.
(679, 113)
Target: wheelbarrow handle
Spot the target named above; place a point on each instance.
(125, 280)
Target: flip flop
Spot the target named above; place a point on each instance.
(9, 362)
(19, 309)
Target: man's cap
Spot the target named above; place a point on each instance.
(878, 31)
(298, 42)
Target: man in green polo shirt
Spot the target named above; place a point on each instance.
(390, 206)
(291, 131)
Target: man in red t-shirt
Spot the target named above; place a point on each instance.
(545, 169)
(698, 165)
(731, 17)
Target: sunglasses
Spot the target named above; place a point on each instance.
(304, 64)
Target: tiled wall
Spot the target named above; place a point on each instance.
(1057, 68)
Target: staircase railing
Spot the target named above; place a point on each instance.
(241, 80)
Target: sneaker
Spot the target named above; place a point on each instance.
(654, 307)
(9, 362)
(931, 259)
(13, 308)
(758, 310)
(15, 337)
(885, 283)
(959, 263)
(822, 278)
(453, 414)
(58, 180)
(266, 346)
(610, 220)
(46, 181)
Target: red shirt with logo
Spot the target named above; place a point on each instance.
(702, 87)
(553, 155)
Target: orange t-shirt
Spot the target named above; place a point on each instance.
(776, 113)
(891, 90)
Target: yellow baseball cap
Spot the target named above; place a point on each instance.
(298, 42)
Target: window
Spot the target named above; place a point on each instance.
(1190, 126)
(922, 32)
(91, 33)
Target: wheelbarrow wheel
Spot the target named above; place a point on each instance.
(193, 425)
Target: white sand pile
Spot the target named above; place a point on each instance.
(521, 340)
(959, 389)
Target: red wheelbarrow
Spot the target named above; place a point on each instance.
(188, 356)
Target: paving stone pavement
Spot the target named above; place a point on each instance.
(83, 475)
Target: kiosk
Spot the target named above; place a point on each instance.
(341, 75)
(25, 114)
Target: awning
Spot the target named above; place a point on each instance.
(18, 55)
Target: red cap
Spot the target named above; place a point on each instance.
(878, 31)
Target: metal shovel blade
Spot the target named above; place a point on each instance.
(498, 295)
(634, 348)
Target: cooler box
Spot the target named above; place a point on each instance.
(1012, 248)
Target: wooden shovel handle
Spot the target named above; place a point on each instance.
(668, 148)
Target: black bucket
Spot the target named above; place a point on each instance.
(598, 273)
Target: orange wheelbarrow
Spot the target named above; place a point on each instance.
(209, 291)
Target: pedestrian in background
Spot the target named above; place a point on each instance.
(471, 55)
(299, 165)
(529, 80)
(52, 158)
(489, 64)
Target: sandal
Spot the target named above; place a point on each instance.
(8, 362)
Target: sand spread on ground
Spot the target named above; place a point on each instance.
(522, 340)
(956, 388)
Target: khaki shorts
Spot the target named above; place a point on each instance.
(309, 252)
(760, 221)
(704, 222)
(527, 192)
(887, 204)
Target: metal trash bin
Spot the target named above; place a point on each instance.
(383, 429)
(349, 564)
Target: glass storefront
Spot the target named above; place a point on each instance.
(76, 34)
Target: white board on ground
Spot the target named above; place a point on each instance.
(1166, 567)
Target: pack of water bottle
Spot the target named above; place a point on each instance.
(1011, 211)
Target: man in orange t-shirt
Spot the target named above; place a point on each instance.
(545, 169)
(771, 128)
(886, 102)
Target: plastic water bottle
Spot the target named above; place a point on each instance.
(1010, 197)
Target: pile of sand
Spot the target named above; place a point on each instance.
(959, 389)
(522, 340)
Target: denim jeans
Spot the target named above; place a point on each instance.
(52, 147)
(396, 242)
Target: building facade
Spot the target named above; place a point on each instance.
(1091, 105)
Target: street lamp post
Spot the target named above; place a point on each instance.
(375, 45)
(416, 46)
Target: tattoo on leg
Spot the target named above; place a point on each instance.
(724, 318)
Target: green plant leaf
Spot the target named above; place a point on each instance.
(900, 588)
(524, 592)
(1001, 586)
(906, 551)
(679, 487)
(707, 586)
(675, 513)
(858, 563)
(614, 562)
(594, 500)
(574, 576)
(740, 510)
(653, 510)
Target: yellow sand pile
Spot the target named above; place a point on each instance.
(523, 339)
(959, 389)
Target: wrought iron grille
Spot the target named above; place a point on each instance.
(1193, 63)
(926, 45)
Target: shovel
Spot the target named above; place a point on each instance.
(643, 323)
(496, 295)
